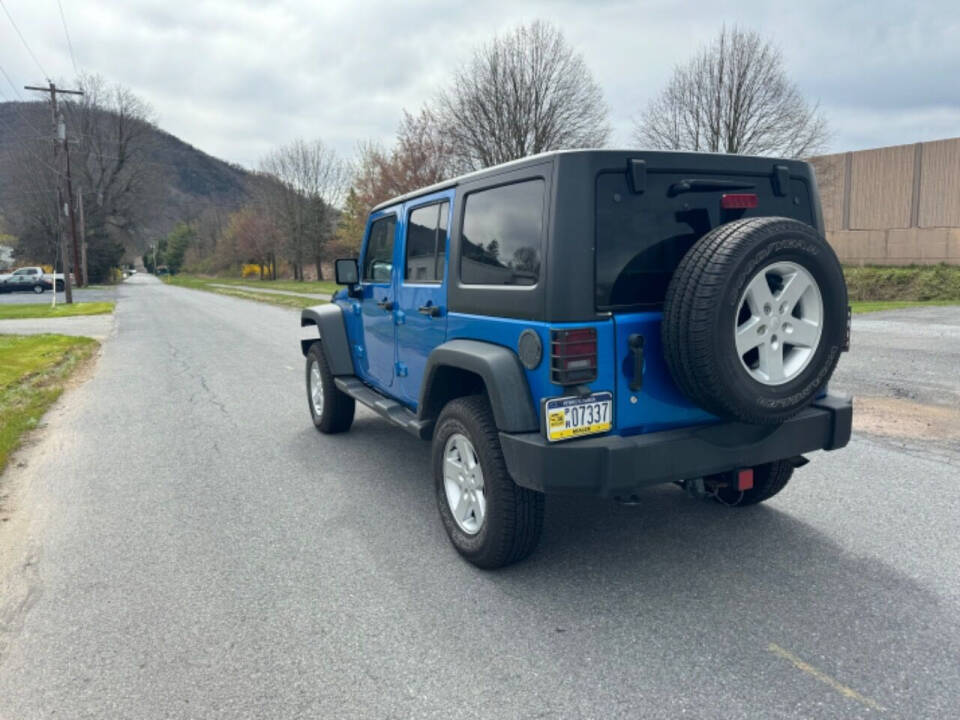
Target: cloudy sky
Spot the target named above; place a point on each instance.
(235, 78)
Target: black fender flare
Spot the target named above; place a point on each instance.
(501, 372)
(333, 331)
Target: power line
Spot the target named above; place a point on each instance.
(73, 58)
(15, 89)
(23, 39)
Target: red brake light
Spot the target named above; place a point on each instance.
(573, 356)
(738, 201)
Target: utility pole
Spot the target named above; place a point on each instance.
(83, 240)
(60, 136)
(71, 211)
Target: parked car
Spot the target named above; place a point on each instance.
(591, 322)
(32, 279)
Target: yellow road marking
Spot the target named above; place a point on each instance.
(824, 678)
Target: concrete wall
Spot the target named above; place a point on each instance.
(893, 206)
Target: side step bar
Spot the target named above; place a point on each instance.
(385, 407)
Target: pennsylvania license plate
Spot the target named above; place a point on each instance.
(570, 417)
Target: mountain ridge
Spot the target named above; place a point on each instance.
(190, 181)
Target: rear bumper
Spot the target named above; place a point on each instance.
(616, 465)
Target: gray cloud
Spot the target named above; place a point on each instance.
(237, 78)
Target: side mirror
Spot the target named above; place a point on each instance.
(347, 271)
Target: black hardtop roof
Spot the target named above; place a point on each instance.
(656, 159)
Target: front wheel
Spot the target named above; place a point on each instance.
(490, 520)
(38, 289)
(331, 408)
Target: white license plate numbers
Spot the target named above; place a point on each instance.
(571, 417)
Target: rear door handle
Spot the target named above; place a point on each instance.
(385, 304)
(635, 343)
(430, 310)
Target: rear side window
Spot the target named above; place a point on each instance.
(502, 235)
(426, 247)
(378, 262)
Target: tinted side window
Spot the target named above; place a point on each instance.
(426, 244)
(502, 235)
(378, 262)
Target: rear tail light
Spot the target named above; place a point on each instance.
(573, 356)
(738, 201)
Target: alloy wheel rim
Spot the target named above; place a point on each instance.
(463, 483)
(779, 323)
(316, 388)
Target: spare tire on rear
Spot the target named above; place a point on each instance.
(755, 318)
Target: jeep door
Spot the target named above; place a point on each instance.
(421, 288)
(378, 289)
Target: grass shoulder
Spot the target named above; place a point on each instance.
(251, 289)
(869, 306)
(34, 370)
(304, 287)
(43, 310)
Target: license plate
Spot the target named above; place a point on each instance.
(571, 417)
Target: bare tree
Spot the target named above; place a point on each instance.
(422, 155)
(733, 96)
(523, 93)
(112, 130)
(310, 181)
(255, 238)
(29, 199)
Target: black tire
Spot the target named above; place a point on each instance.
(60, 286)
(701, 312)
(38, 289)
(513, 521)
(336, 415)
(768, 480)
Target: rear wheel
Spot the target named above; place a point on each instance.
(490, 520)
(38, 289)
(768, 480)
(331, 408)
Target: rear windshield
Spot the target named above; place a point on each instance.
(641, 237)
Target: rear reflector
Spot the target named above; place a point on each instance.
(573, 356)
(745, 480)
(738, 201)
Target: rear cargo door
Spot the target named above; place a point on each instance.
(643, 231)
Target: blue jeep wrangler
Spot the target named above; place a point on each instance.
(591, 322)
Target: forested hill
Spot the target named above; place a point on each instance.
(185, 181)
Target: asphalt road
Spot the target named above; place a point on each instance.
(198, 550)
(912, 354)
